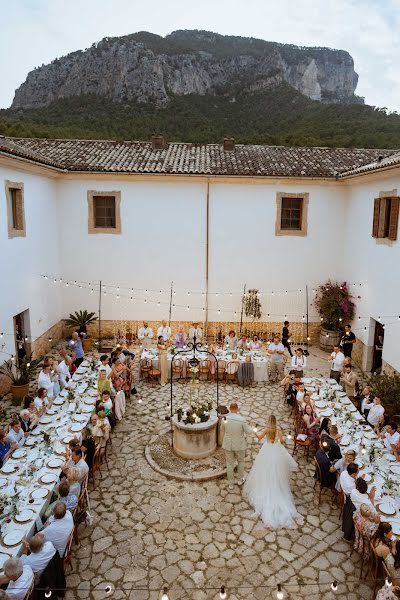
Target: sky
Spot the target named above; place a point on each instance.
(34, 32)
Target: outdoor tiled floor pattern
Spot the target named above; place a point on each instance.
(149, 531)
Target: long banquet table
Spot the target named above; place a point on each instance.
(29, 476)
(377, 463)
(258, 359)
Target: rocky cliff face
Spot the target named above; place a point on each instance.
(148, 68)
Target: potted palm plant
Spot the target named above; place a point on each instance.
(20, 376)
(81, 319)
(335, 306)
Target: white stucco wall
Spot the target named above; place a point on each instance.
(24, 258)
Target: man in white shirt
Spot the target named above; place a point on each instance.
(391, 437)
(299, 362)
(58, 528)
(104, 363)
(63, 371)
(348, 478)
(336, 359)
(19, 578)
(145, 334)
(276, 350)
(366, 401)
(78, 462)
(195, 330)
(44, 380)
(41, 553)
(376, 412)
(360, 494)
(16, 435)
(164, 330)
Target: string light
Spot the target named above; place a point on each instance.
(48, 593)
(222, 594)
(279, 593)
(334, 586)
(165, 594)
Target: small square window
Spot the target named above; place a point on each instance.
(291, 215)
(104, 212)
(15, 209)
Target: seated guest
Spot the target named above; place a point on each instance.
(180, 337)
(73, 475)
(63, 371)
(348, 478)
(100, 429)
(5, 447)
(119, 374)
(301, 390)
(243, 343)
(333, 437)
(103, 382)
(365, 523)
(231, 340)
(107, 403)
(145, 335)
(382, 539)
(25, 420)
(70, 500)
(299, 363)
(235, 358)
(366, 401)
(375, 415)
(77, 461)
(195, 330)
(104, 363)
(288, 382)
(392, 561)
(342, 464)
(44, 379)
(328, 477)
(255, 344)
(391, 437)
(307, 402)
(41, 401)
(164, 330)
(58, 528)
(40, 554)
(16, 434)
(360, 494)
(349, 381)
(311, 422)
(324, 427)
(29, 405)
(19, 578)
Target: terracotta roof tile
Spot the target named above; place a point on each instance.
(194, 159)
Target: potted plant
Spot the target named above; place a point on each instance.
(20, 376)
(82, 319)
(252, 306)
(335, 307)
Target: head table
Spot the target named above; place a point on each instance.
(258, 359)
(29, 476)
(378, 466)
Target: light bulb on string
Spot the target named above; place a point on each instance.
(388, 582)
(75, 282)
(222, 594)
(279, 592)
(308, 339)
(299, 291)
(285, 291)
(334, 586)
(55, 281)
(235, 313)
(117, 296)
(131, 298)
(217, 295)
(91, 291)
(45, 276)
(145, 301)
(67, 284)
(187, 308)
(2, 334)
(165, 594)
(12, 357)
(160, 292)
(188, 293)
(48, 593)
(80, 287)
(219, 312)
(289, 435)
(272, 293)
(146, 291)
(25, 338)
(303, 318)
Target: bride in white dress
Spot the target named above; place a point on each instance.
(268, 485)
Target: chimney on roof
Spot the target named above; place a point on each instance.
(158, 142)
(229, 144)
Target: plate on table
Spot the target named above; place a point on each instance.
(389, 457)
(326, 413)
(45, 419)
(36, 431)
(52, 410)
(307, 380)
(19, 453)
(58, 401)
(9, 468)
(30, 441)
(48, 478)
(370, 434)
(386, 508)
(80, 418)
(25, 516)
(13, 538)
(352, 408)
(345, 400)
(395, 527)
(340, 394)
(3, 482)
(90, 401)
(67, 439)
(87, 409)
(3, 558)
(320, 403)
(368, 477)
(76, 427)
(39, 493)
(55, 463)
(395, 469)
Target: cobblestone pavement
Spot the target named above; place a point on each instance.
(149, 531)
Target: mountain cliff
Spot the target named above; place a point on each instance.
(150, 69)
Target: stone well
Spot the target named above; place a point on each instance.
(195, 441)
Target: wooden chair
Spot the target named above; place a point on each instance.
(177, 368)
(154, 374)
(322, 488)
(365, 543)
(145, 365)
(67, 558)
(376, 568)
(204, 368)
(96, 467)
(231, 371)
(30, 592)
(221, 370)
(300, 428)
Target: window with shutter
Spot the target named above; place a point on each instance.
(15, 209)
(394, 219)
(375, 225)
(386, 218)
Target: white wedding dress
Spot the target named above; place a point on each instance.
(267, 486)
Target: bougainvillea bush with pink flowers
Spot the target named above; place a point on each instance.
(335, 305)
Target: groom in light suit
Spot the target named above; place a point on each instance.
(234, 428)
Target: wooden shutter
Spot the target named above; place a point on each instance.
(394, 219)
(375, 225)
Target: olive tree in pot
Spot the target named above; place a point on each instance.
(335, 306)
(81, 319)
(20, 376)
